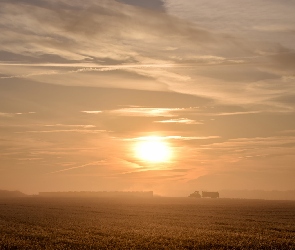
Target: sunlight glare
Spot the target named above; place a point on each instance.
(153, 149)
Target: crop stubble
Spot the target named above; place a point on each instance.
(154, 223)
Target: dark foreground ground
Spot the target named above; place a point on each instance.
(155, 223)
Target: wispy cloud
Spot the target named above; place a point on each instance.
(254, 143)
(223, 66)
(30, 159)
(95, 163)
(50, 72)
(15, 114)
(188, 138)
(86, 131)
(153, 112)
(92, 112)
(7, 114)
(150, 112)
(176, 137)
(62, 68)
(239, 113)
(70, 126)
(180, 120)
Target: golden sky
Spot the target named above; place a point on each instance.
(84, 85)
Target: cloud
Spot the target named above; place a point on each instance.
(138, 111)
(87, 131)
(81, 166)
(7, 114)
(209, 57)
(188, 138)
(231, 17)
(251, 142)
(92, 112)
(15, 114)
(239, 113)
(104, 74)
(181, 121)
(70, 126)
(151, 4)
(72, 23)
(149, 112)
(51, 72)
(176, 137)
(267, 149)
(30, 159)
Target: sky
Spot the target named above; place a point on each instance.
(83, 82)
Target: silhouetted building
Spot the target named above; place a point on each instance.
(97, 194)
(195, 194)
(206, 194)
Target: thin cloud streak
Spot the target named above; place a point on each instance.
(82, 166)
(7, 114)
(71, 126)
(239, 113)
(15, 114)
(252, 143)
(150, 112)
(180, 120)
(65, 131)
(184, 138)
(92, 112)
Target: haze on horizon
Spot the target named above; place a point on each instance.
(83, 82)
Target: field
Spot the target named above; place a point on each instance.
(154, 223)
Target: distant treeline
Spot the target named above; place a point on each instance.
(5, 193)
(97, 194)
(259, 194)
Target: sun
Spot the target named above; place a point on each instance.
(153, 149)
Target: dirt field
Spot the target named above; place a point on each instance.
(155, 223)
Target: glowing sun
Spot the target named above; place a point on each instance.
(153, 149)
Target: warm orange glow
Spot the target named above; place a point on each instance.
(153, 149)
